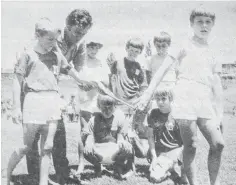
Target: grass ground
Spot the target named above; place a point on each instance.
(10, 141)
(12, 137)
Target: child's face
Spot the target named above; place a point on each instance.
(92, 51)
(163, 102)
(133, 52)
(202, 26)
(107, 110)
(48, 41)
(161, 48)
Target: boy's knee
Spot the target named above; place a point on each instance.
(47, 150)
(191, 146)
(218, 147)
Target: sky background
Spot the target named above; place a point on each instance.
(116, 22)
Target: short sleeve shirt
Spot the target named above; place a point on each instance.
(166, 130)
(101, 127)
(40, 71)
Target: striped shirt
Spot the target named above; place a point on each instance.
(166, 130)
(135, 74)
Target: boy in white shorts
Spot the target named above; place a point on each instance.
(193, 106)
(37, 71)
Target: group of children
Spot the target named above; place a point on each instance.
(184, 88)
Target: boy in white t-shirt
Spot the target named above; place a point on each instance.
(195, 89)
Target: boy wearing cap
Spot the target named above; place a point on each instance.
(94, 71)
(92, 50)
(36, 72)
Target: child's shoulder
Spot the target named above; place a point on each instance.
(154, 112)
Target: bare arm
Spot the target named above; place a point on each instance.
(218, 96)
(17, 81)
(157, 78)
(151, 142)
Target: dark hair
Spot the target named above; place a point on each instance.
(79, 17)
(136, 43)
(162, 37)
(105, 100)
(201, 12)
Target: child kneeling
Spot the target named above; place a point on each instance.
(104, 141)
(165, 143)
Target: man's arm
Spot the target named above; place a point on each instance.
(68, 70)
(80, 57)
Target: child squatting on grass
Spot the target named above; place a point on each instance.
(104, 139)
(164, 140)
(162, 43)
(193, 105)
(36, 72)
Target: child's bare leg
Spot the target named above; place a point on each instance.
(211, 131)
(183, 178)
(29, 135)
(188, 130)
(48, 133)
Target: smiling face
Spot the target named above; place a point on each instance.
(202, 26)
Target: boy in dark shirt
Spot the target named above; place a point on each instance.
(103, 138)
(126, 84)
(165, 143)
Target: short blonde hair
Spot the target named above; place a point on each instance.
(162, 37)
(105, 100)
(45, 25)
(164, 92)
(201, 12)
(136, 43)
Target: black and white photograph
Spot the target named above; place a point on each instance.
(118, 92)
